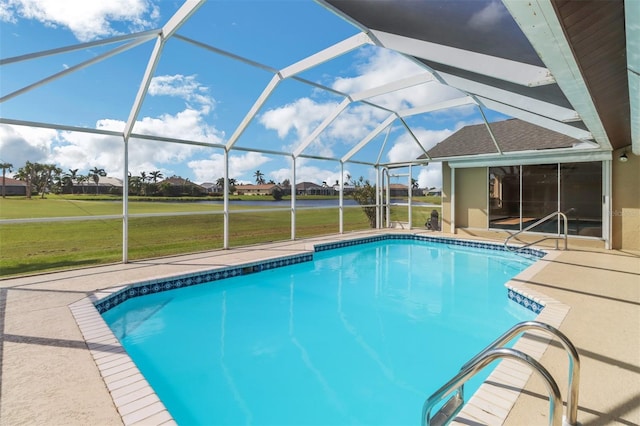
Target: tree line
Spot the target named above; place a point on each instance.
(45, 178)
(42, 178)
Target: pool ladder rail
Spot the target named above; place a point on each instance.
(558, 236)
(496, 351)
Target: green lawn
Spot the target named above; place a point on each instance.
(16, 208)
(40, 247)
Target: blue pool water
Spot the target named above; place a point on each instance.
(360, 335)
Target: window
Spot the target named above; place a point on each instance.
(521, 195)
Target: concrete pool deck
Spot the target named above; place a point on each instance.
(49, 376)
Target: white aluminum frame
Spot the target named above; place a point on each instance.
(540, 27)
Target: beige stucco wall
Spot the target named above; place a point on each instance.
(446, 197)
(472, 215)
(625, 203)
(471, 198)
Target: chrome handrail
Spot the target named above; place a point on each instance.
(574, 361)
(533, 225)
(457, 384)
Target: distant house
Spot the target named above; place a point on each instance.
(106, 185)
(212, 188)
(398, 190)
(310, 188)
(176, 186)
(433, 192)
(264, 189)
(348, 189)
(14, 186)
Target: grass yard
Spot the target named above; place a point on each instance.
(27, 248)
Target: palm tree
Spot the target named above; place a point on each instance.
(95, 175)
(135, 184)
(5, 167)
(59, 182)
(232, 184)
(27, 174)
(259, 177)
(48, 172)
(143, 180)
(155, 175)
(82, 179)
(69, 179)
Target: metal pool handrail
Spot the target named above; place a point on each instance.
(574, 360)
(533, 225)
(456, 384)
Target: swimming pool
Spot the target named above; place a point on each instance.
(360, 334)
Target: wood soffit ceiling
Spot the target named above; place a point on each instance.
(596, 33)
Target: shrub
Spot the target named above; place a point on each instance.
(277, 193)
(365, 195)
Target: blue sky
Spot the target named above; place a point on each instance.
(202, 96)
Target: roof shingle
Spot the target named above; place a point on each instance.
(512, 135)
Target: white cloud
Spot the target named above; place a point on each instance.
(406, 149)
(307, 170)
(429, 93)
(83, 151)
(188, 124)
(87, 20)
(299, 117)
(19, 144)
(211, 169)
(430, 176)
(381, 67)
(6, 14)
(489, 17)
(185, 87)
(75, 150)
(385, 66)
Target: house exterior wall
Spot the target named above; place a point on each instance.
(446, 197)
(15, 190)
(471, 200)
(471, 197)
(625, 203)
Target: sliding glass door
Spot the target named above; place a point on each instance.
(539, 196)
(521, 195)
(504, 197)
(581, 197)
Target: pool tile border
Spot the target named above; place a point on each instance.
(137, 402)
(165, 284)
(187, 280)
(536, 253)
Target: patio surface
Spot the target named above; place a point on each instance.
(49, 376)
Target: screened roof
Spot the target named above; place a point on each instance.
(327, 83)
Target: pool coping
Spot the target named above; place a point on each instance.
(137, 402)
(491, 404)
